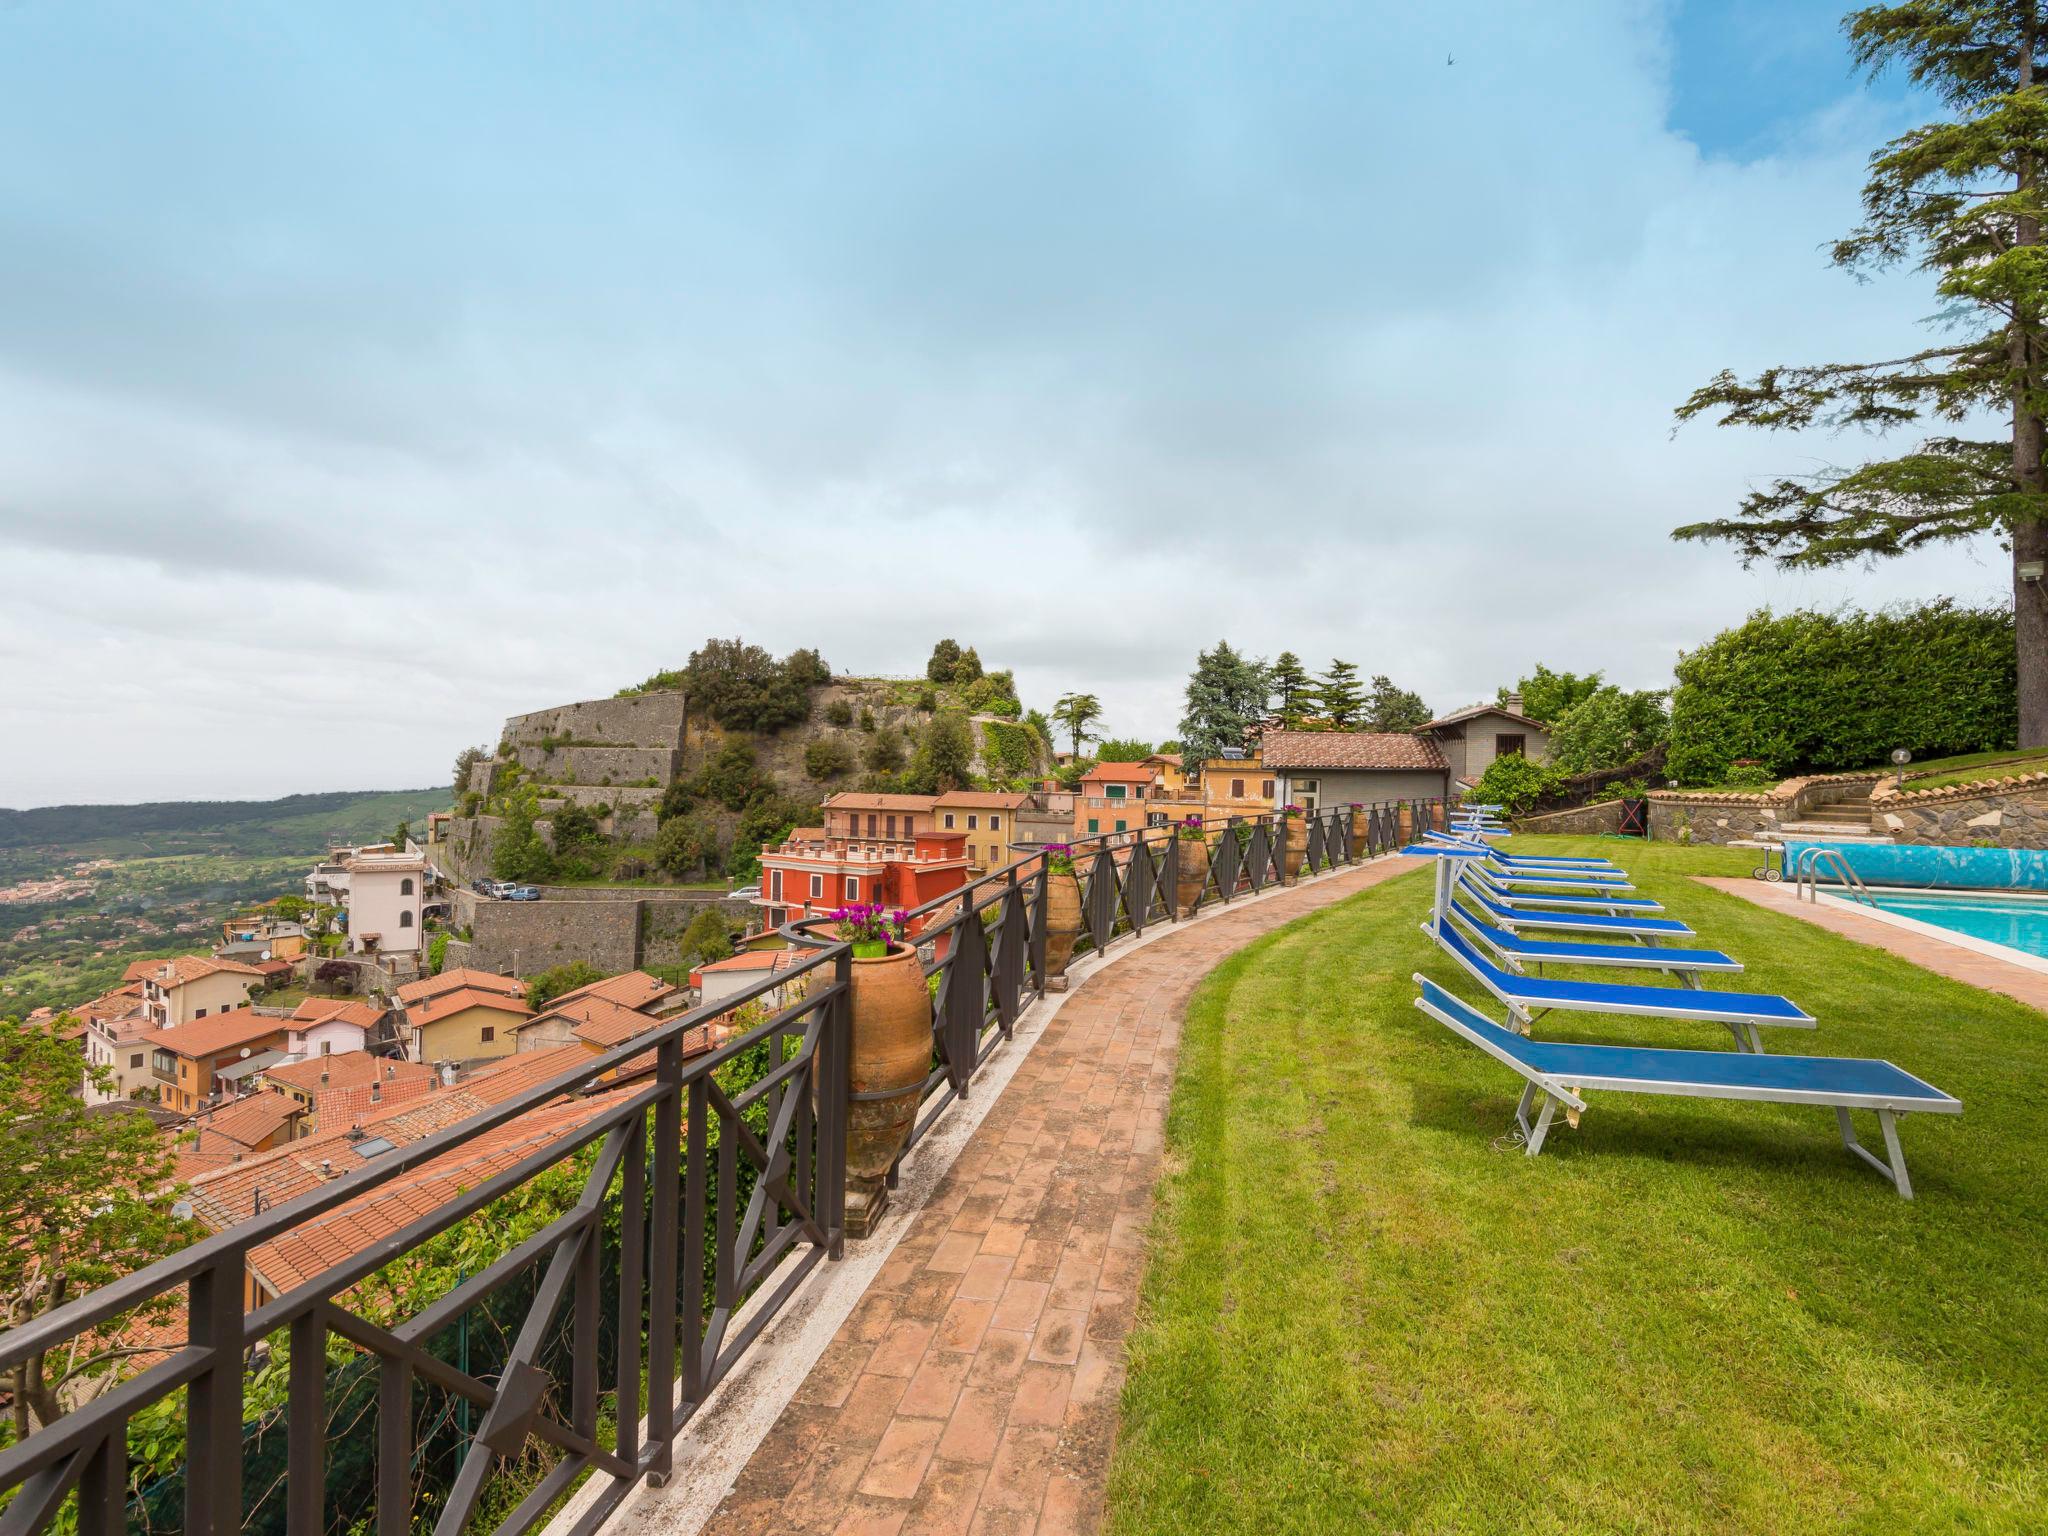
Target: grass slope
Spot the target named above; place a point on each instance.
(1365, 1311)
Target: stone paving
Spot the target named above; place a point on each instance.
(974, 1388)
(1937, 955)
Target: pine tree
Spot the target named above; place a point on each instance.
(1963, 199)
(1293, 690)
(1391, 708)
(1074, 713)
(1339, 697)
(1226, 701)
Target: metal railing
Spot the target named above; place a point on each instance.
(1806, 868)
(689, 1204)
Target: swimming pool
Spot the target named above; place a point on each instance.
(2015, 922)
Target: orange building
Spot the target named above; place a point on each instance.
(812, 873)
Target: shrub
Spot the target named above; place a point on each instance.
(1824, 692)
(1515, 783)
(553, 982)
(708, 938)
(731, 777)
(1750, 776)
(927, 701)
(883, 753)
(827, 759)
(686, 844)
(1010, 751)
(1607, 729)
(518, 852)
(867, 719)
(839, 713)
(679, 799)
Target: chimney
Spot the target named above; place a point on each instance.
(323, 1077)
(1515, 703)
(376, 1093)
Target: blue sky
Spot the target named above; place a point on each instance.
(370, 372)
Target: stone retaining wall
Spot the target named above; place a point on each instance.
(598, 927)
(2012, 813)
(1582, 820)
(598, 766)
(645, 720)
(1678, 818)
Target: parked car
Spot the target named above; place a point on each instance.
(521, 893)
(491, 888)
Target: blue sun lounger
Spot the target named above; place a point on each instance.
(1504, 873)
(1740, 1013)
(1514, 919)
(1575, 902)
(1576, 869)
(1560, 1074)
(1519, 954)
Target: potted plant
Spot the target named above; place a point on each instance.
(1191, 850)
(890, 1056)
(1295, 820)
(1062, 907)
(1361, 830)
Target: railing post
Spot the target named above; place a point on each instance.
(665, 1213)
(966, 1002)
(837, 1067)
(213, 1402)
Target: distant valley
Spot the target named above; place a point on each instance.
(86, 888)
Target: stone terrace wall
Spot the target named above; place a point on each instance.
(2012, 813)
(592, 925)
(1582, 820)
(646, 720)
(1678, 817)
(600, 766)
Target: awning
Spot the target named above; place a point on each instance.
(249, 1064)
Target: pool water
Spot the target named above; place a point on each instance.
(2016, 922)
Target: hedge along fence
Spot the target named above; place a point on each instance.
(1823, 692)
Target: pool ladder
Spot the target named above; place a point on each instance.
(1806, 874)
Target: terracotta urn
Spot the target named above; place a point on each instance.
(892, 1056)
(1193, 853)
(1297, 844)
(1062, 919)
(1361, 832)
(1404, 822)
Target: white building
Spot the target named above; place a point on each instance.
(386, 893)
(330, 1026)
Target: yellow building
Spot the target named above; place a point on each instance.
(1236, 786)
(186, 988)
(466, 1024)
(988, 819)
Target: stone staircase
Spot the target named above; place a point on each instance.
(1838, 821)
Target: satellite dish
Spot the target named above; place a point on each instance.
(264, 956)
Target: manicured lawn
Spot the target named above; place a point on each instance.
(1364, 1311)
(1977, 765)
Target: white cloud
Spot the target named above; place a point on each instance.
(1085, 339)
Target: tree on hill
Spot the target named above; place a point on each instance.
(518, 852)
(1226, 701)
(883, 753)
(1963, 199)
(1546, 695)
(686, 845)
(743, 688)
(1339, 696)
(968, 668)
(1074, 713)
(945, 657)
(731, 777)
(944, 759)
(465, 762)
(84, 1198)
(827, 759)
(1612, 728)
(1391, 708)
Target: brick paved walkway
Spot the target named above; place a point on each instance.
(1929, 953)
(974, 1387)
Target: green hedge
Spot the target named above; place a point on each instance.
(1830, 692)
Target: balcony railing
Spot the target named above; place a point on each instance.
(662, 1232)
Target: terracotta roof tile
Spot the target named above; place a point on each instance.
(350, 1069)
(179, 969)
(631, 989)
(219, 1032)
(1121, 773)
(435, 1009)
(329, 1010)
(1339, 750)
(850, 801)
(461, 976)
